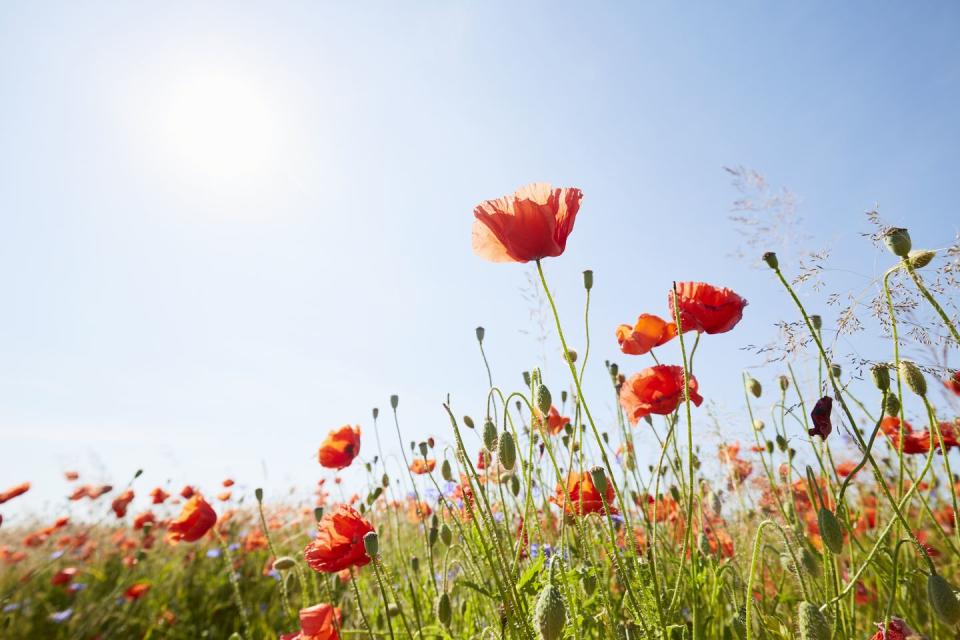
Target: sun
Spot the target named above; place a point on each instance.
(219, 127)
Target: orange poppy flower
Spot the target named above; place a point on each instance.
(339, 541)
(649, 332)
(13, 492)
(121, 502)
(706, 308)
(142, 519)
(584, 497)
(317, 623)
(340, 448)
(845, 468)
(421, 466)
(187, 492)
(555, 421)
(136, 591)
(158, 495)
(196, 518)
(657, 390)
(531, 224)
(223, 496)
(228, 482)
(71, 475)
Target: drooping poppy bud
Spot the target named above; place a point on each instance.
(812, 623)
(444, 609)
(943, 600)
(822, 426)
(830, 531)
(754, 387)
(507, 450)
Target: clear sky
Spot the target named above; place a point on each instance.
(229, 227)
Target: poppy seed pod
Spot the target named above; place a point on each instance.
(898, 241)
(446, 471)
(881, 376)
(771, 259)
(490, 435)
(914, 377)
(258, 494)
(830, 531)
(444, 610)
(424, 450)
(784, 383)
(816, 321)
(599, 477)
(394, 401)
(544, 399)
(318, 514)
(507, 451)
(920, 258)
(588, 279)
(415, 563)
(812, 623)
(480, 333)
(284, 563)
(754, 387)
(550, 612)
(943, 600)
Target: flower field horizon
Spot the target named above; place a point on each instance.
(540, 518)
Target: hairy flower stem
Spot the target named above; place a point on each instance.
(917, 280)
(234, 583)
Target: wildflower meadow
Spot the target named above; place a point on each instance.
(542, 517)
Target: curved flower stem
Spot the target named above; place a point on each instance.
(933, 301)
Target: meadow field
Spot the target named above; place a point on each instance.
(536, 520)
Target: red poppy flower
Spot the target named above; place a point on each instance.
(897, 630)
(846, 467)
(821, 418)
(658, 390)
(340, 448)
(420, 466)
(228, 482)
(136, 591)
(584, 497)
(555, 422)
(531, 224)
(158, 495)
(13, 492)
(187, 492)
(223, 496)
(339, 541)
(706, 308)
(649, 332)
(317, 623)
(64, 576)
(196, 518)
(71, 475)
(142, 519)
(121, 502)
(953, 382)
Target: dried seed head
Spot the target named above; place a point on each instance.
(394, 401)
(758, 424)
(898, 241)
(914, 377)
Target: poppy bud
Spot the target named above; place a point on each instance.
(415, 563)
(810, 562)
(468, 421)
(898, 241)
(943, 600)
(507, 450)
(235, 636)
(432, 535)
(753, 386)
(816, 321)
(599, 477)
(258, 494)
(480, 333)
(830, 531)
(318, 514)
(376, 413)
(544, 399)
(675, 493)
(813, 624)
(423, 449)
(138, 474)
(446, 471)
(758, 424)
(446, 534)
(914, 377)
(526, 378)
(770, 447)
(784, 383)
(892, 405)
(881, 376)
(920, 258)
(835, 370)
(393, 610)
(571, 356)
(514, 485)
(589, 581)
(283, 563)
(550, 612)
(394, 401)
(489, 435)
(781, 443)
(771, 259)
(444, 610)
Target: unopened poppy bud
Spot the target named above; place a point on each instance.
(771, 259)
(758, 424)
(891, 405)
(589, 581)
(898, 241)
(881, 376)
(514, 485)
(375, 494)
(444, 610)
(810, 562)
(526, 378)
(376, 413)
(480, 333)
(283, 563)
(812, 623)
(754, 387)
(943, 600)
(830, 531)
(571, 356)
(835, 370)
(544, 399)
(468, 421)
(920, 258)
(385, 480)
(489, 435)
(318, 514)
(138, 474)
(588, 279)
(507, 450)
(446, 534)
(258, 494)
(413, 445)
(393, 610)
(614, 370)
(784, 383)
(769, 446)
(368, 467)
(816, 321)
(424, 450)
(550, 612)
(394, 401)
(914, 377)
(446, 471)
(781, 443)
(675, 493)
(599, 477)
(235, 636)
(415, 563)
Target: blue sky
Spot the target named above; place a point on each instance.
(230, 227)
